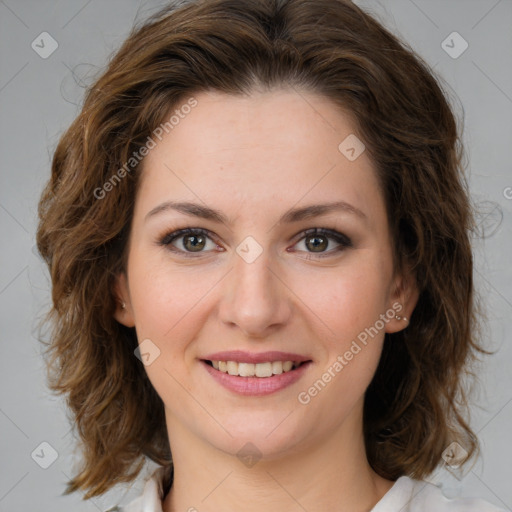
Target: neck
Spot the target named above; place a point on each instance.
(331, 474)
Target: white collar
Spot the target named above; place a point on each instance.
(406, 495)
(152, 496)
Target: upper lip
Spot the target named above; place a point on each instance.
(240, 356)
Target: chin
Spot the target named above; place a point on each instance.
(270, 435)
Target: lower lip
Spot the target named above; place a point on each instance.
(257, 386)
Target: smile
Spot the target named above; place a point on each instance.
(255, 379)
(266, 369)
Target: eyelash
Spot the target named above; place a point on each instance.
(338, 237)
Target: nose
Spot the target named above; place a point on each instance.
(255, 298)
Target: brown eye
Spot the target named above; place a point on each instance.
(188, 241)
(194, 243)
(317, 243)
(321, 243)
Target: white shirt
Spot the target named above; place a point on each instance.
(406, 495)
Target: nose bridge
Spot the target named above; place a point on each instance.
(254, 297)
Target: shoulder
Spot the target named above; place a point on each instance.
(409, 495)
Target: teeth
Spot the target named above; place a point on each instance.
(287, 366)
(245, 369)
(258, 369)
(277, 367)
(232, 368)
(263, 370)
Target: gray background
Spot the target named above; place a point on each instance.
(40, 97)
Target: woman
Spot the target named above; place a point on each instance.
(258, 235)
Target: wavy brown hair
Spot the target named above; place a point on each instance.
(416, 404)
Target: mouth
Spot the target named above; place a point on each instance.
(262, 370)
(256, 373)
(256, 379)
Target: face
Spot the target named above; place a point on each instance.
(248, 267)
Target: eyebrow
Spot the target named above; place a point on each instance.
(292, 215)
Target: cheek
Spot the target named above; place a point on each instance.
(162, 295)
(351, 308)
(349, 300)
(171, 305)
(166, 302)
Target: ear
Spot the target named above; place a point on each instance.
(123, 312)
(402, 300)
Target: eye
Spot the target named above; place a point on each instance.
(318, 240)
(188, 241)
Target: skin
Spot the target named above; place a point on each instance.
(253, 158)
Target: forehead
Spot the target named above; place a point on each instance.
(245, 150)
(284, 120)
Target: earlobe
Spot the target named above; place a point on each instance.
(123, 312)
(403, 301)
